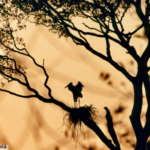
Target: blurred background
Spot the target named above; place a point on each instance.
(34, 125)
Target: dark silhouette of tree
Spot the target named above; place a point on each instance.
(107, 18)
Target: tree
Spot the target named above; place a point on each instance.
(107, 17)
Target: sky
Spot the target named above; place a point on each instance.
(31, 124)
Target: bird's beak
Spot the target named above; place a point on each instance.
(66, 86)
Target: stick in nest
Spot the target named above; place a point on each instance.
(73, 119)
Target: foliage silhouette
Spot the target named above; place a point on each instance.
(58, 16)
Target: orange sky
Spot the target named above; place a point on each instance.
(31, 124)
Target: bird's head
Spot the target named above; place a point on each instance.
(79, 83)
(70, 84)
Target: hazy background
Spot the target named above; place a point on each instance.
(34, 125)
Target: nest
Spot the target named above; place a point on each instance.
(74, 119)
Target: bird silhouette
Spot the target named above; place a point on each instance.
(76, 91)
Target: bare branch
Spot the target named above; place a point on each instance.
(108, 48)
(137, 5)
(18, 95)
(47, 77)
(91, 28)
(133, 32)
(111, 129)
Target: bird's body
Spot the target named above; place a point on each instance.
(76, 91)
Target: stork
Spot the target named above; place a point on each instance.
(76, 91)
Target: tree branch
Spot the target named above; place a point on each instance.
(92, 125)
(111, 129)
(18, 95)
(46, 80)
(137, 5)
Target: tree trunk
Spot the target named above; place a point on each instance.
(141, 143)
(135, 116)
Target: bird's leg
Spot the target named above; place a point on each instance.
(74, 104)
(79, 102)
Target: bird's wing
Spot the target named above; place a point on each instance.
(79, 87)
